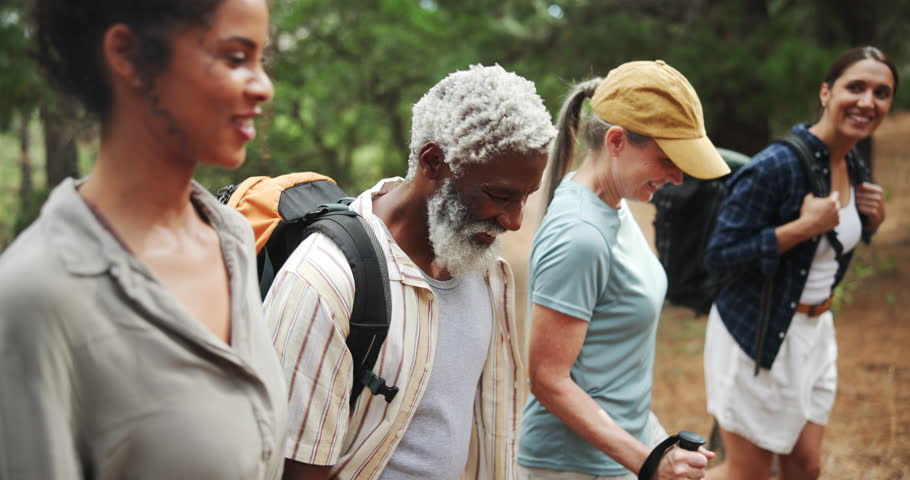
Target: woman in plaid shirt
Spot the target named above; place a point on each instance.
(772, 388)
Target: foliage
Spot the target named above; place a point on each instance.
(29, 209)
(866, 264)
(18, 79)
(347, 73)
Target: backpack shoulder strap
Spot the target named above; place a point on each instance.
(282, 214)
(816, 178)
(817, 184)
(371, 312)
(863, 172)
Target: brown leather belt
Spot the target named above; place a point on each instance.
(815, 310)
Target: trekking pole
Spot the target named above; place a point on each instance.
(687, 440)
(690, 440)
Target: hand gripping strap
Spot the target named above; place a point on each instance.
(816, 178)
(687, 441)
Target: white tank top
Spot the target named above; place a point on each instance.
(824, 265)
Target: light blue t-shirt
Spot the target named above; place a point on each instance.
(593, 263)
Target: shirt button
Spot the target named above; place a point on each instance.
(818, 154)
(792, 305)
(781, 335)
(825, 171)
(802, 272)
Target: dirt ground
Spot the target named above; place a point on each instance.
(868, 436)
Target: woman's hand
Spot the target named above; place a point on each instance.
(678, 463)
(819, 215)
(870, 201)
(816, 216)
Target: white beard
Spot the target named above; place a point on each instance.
(452, 230)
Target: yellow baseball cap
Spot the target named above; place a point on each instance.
(655, 100)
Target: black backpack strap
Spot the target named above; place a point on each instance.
(816, 177)
(764, 318)
(863, 172)
(267, 271)
(819, 188)
(371, 312)
(817, 184)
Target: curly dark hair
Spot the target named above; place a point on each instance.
(68, 36)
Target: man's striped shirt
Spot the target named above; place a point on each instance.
(308, 309)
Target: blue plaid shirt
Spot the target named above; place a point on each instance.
(764, 194)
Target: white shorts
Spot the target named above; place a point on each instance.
(771, 409)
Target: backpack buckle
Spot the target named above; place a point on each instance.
(325, 209)
(377, 385)
(224, 193)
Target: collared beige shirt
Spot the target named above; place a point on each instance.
(104, 375)
(308, 309)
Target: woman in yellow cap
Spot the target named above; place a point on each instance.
(595, 285)
(771, 370)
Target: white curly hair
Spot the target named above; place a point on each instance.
(477, 113)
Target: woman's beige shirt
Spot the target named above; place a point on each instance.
(104, 375)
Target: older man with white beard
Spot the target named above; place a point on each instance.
(478, 150)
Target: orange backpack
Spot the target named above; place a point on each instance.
(285, 210)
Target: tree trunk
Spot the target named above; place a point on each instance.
(400, 137)
(61, 153)
(25, 161)
(743, 130)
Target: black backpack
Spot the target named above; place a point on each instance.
(285, 210)
(686, 216)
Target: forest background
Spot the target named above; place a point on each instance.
(346, 74)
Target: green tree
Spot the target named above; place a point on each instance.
(18, 83)
(347, 73)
